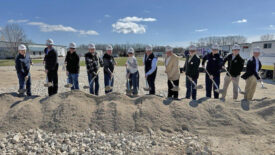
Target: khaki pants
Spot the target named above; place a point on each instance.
(235, 81)
(250, 87)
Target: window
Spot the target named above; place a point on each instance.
(33, 53)
(268, 45)
(39, 53)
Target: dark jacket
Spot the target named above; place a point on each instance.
(22, 64)
(51, 60)
(191, 68)
(72, 60)
(214, 64)
(93, 62)
(251, 69)
(108, 63)
(235, 66)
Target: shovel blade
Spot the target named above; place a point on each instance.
(199, 87)
(175, 88)
(220, 91)
(108, 88)
(86, 87)
(68, 85)
(146, 89)
(21, 91)
(49, 84)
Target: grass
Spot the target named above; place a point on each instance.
(10, 62)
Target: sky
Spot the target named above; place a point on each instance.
(156, 22)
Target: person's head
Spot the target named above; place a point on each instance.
(168, 50)
(192, 50)
(236, 49)
(72, 47)
(149, 49)
(91, 48)
(130, 52)
(256, 52)
(22, 49)
(215, 49)
(109, 50)
(49, 43)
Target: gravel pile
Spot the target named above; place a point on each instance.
(36, 141)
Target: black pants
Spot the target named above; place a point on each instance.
(210, 85)
(151, 82)
(173, 94)
(52, 77)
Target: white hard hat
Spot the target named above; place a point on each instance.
(149, 48)
(236, 47)
(49, 42)
(215, 47)
(72, 45)
(168, 49)
(257, 50)
(131, 50)
(22, 47)
(109, 47)
(192, 48)
(91, 46)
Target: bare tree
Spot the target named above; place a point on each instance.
(14, 35)
(267, 37)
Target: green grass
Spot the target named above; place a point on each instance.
(10, 62)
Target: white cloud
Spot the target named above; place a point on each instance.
(271, 27)
(51, 28)
(18, 21)
(107, 16)
(130, 25)
(201, 30)
(240, 21)
(273, 13)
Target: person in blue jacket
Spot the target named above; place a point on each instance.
(22, 66)
(214, 66)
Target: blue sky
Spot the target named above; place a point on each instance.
(157, 22)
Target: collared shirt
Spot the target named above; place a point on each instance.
(167, 60)
(190, 58)
(233, 57)
(257, 64)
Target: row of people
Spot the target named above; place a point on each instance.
(215, 63)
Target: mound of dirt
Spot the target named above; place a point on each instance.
(77, 111)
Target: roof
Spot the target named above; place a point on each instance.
(264, 41)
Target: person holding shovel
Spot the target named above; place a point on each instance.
(132, 73)
(109, 66)
(150, 62)
(251, 75)
(72, 67)
(191, 69)
(213, 68)
(93, 63)
(173, 72)
(234, 67)
(22, 66)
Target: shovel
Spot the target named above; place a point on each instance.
(196, 86)
(217, 90)
(68, 85)
(240, 90)
(128, 90)
(175, 88)
(47, 83)
(147, 88)
(109, 87)
(21, 91)
(87, 87)
(262, 82)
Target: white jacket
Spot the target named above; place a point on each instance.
(132, 64)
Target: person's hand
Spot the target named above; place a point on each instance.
(26, 78)
(203, 66)
(211, 77)
(67, 73)
(223, 67)
(46, 71)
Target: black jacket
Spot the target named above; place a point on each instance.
(72, 60)
(51, 60)
(148, 60)
(251, 69)
(22, 64)
(235, 66)
(93, 62)
(214, 63)
(108, 63)
(192, 68)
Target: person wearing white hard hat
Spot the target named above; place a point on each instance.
(213, 67)
(132, 73)
(93, 64)
(22, 65)
(72, 67)
(191, 69)
(235, 64)
(109, 66)
(173, 72)
(51, 66)
(251, 75)
(150, 62)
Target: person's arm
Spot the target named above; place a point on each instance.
(225, 60)
(153, 67)
(18, 66)
(204, 59)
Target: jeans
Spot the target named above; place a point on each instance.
(108, 82)
(93, 84)
(134, 82)
(53, 77)
(73, 79)
(191, 88)
(22, 83)
(210, 85)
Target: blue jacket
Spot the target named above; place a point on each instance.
(214, 64)
(22, 64)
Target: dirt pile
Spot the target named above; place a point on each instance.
(77, 111)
